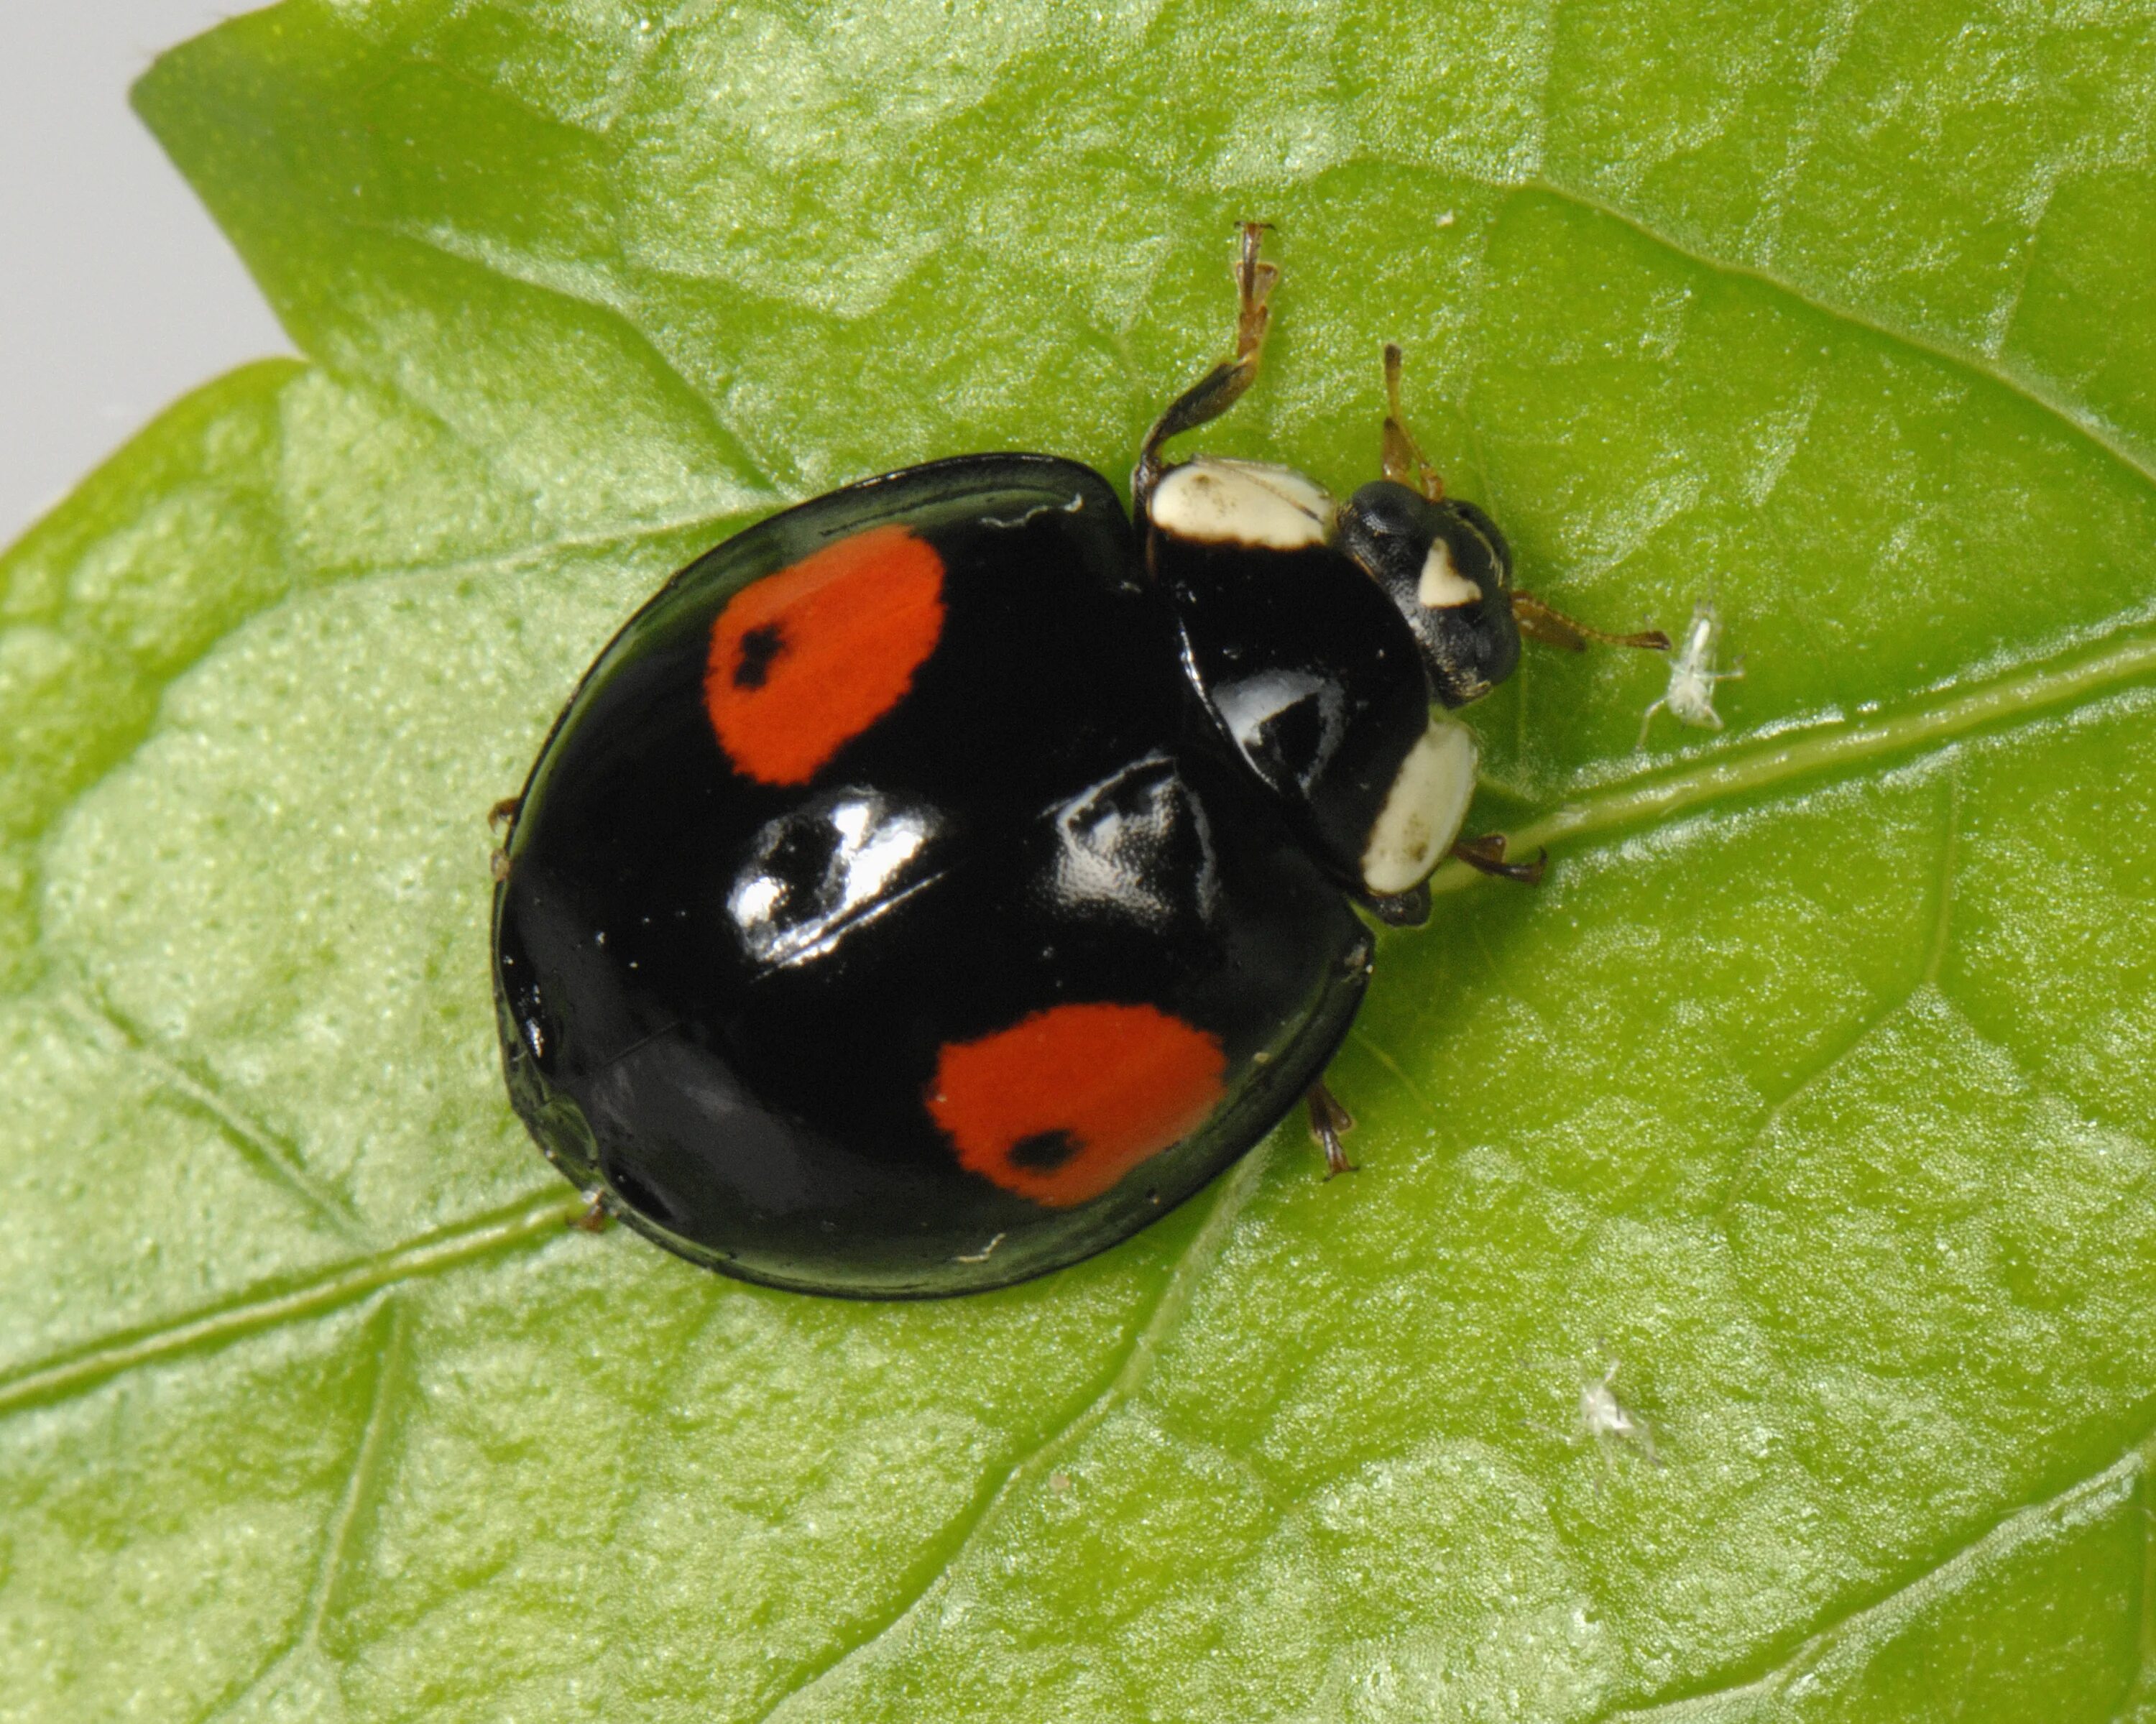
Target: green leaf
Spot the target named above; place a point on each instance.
(1814, 1090)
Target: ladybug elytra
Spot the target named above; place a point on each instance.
(939, 881)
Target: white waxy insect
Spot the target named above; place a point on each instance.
(1605, 1420)
(1689, 696)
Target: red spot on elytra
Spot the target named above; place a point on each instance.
(1063, 1103)
(805, 660)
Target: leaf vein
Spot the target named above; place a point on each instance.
(1748, 1161)
(2082, 421)
(2143, 1685)
(388, 1353)
(1129, 1375)
(272, 1304)
(491, 563)
(732, 453)
(1361, 1039)
(2100, 1493)
(1949, 847)
(271, 1157)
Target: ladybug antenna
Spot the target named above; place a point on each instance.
(1552, 628)
(1212, 394)
(1402, 458)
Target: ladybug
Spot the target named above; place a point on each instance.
(937, 882)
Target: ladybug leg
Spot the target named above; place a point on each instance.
(1328, 1119)
(1212, 394)
(597, 1218)
(1401, 456)
(502, 818)
(1486, 855)
(1552, 628)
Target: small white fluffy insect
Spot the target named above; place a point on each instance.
(1689, 696)
(1605, 1420)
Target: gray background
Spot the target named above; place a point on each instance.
(117, 293)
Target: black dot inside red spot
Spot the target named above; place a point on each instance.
(1044, 1151)
(758, 647)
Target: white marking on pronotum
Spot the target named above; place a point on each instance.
(1213, 500)
(1689, 696)
(1442, 586)
(985, 1253)
(1422, 810)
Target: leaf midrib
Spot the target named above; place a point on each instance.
(2015, 695)
(2018, 694)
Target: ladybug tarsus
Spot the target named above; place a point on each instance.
(501, 818)
(1486, 854)
(1254, 285)
(1400, 457)
(597, 1216)
(1328, 1121)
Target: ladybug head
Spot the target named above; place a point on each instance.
(1447, 571)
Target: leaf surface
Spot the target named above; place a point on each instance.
(1813, 1092)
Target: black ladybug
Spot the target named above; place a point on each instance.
(937, 882)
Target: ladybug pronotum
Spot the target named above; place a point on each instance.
(937, 882)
